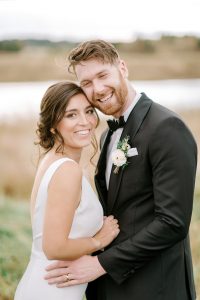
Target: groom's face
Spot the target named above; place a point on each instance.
(104, 84)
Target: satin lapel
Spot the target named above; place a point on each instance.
(100, 180)
(132, 126)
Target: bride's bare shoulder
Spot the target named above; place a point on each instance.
(68, 174)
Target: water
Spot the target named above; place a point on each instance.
(23, 99)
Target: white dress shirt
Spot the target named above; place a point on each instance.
(116, 137)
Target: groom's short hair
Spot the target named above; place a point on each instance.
(93, 49)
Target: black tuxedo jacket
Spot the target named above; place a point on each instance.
(152, 198)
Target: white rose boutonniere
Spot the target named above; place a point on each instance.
(120, 155)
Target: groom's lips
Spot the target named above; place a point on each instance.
(105, 99)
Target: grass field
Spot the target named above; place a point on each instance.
(15, 237)
(18, 162)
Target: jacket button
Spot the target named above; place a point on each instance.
(129, 273)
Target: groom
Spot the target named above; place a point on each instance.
(150, 190)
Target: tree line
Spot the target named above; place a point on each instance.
(141, 45)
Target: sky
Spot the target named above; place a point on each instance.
(114, 20)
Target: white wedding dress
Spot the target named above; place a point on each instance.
(88, 219)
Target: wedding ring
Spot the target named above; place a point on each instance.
(66, 277)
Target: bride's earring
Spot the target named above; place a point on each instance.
(53, 131)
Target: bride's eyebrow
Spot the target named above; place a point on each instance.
(75, 109)
(71, 110)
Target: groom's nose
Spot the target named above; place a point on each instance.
(98, 87)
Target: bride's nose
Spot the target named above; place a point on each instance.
(83, 119)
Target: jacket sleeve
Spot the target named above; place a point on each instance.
(173, 158)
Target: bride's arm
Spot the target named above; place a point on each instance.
(64, 194)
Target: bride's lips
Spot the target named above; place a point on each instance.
(83, 132)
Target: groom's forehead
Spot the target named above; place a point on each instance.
(90, 68)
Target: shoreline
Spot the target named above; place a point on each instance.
(22, 99)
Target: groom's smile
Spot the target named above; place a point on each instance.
(105, 99)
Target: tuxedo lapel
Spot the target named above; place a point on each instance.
(100, 180)
(131, 128)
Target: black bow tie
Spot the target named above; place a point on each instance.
(114, 124)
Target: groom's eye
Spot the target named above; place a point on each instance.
(85, 84)
(103, 75)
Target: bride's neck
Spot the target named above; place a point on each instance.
(74, 154)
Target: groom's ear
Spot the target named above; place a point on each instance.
(123, 68)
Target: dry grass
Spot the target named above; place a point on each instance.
(34, 65)
(163, 65)
(17, 158)
(45, 64)
(192, 119)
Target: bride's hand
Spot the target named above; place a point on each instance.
(108, 232)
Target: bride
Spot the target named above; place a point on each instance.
(67, 218)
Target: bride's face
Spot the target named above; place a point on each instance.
(78, 124)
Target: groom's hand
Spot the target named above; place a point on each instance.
(67, 273)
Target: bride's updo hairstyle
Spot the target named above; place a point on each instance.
(52, 110)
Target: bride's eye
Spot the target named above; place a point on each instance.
(71, 115)
(90, 111)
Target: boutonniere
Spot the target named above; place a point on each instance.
(121, 154)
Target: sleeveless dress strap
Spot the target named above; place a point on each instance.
(43, 187)
(52, 169)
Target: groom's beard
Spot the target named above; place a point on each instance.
(118, 99)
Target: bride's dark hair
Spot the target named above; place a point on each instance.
(52, 110)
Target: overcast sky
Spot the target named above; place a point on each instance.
(115, 20)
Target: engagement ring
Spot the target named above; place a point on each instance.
(66, 277)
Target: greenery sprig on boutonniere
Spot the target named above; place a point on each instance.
(120, 155)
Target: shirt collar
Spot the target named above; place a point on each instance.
(131, 106)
